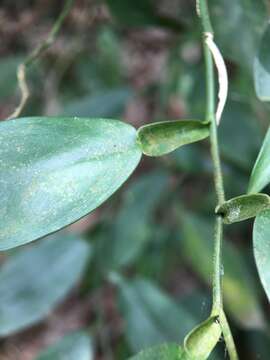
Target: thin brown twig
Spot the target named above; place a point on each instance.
(34, 55)
(22, 84)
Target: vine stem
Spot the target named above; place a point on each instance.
(21, 71)
(217, 307)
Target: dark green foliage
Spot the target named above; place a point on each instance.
(261, 244)
(127, 236)
(262, 68)
(74, 346)
(141, 13)
(144, 306)
(260, 176)
(239, 291)
(35, 280)
(162, 352)
(143, 263)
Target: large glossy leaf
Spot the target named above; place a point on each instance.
(261, 245)
(161, 138)
(239, 290)
(36, 279)
(144, 306)
(130, 231)
(56, 170)
(243, 207)
(162, 352)
(262, 68)
(260, 176)
(75, 346)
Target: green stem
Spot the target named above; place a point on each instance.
(227, 334)
(52, 34)
(217, 273)
(217, 309)
(202, 8)
(210, 115)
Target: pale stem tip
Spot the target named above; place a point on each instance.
(222, 74)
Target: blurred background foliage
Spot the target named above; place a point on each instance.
(137, 271)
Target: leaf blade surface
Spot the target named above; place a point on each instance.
(56, 170)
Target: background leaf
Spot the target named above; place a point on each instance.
(239, 290)
(161, 352)
(141, 13)
(239, 46)
(75, 346)
(258, 344)
(124, 240)
(54, 172)
(262, 68)
(36, 279)
(261, 245)
(260, 176)
(146, 307)
(238, 119)
(104, 104)
(8, 77)
(131, 13)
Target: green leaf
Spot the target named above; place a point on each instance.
(132, 13)
(239, 43)
(260, 176)
(239, 121)
(75, 346)
(162, 352)
(199, 304)
(130, 231)
(243, 207)
(261, 245)
(262, 68)
(202, 340)
(56, 170)
(190, 159)
(161, 138)
(141, 13)
(8, 77)
(102, 104)
(145, 306)
(258, 344)
(36, 279)
(239, 289)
